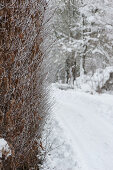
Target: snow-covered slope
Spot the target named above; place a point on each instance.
(91, 83)
(85, 123)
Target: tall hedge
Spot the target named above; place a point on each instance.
(22, 90)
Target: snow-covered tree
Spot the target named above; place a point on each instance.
(83, 30)
(65, 20)
(97, 24)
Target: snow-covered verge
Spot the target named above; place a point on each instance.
(92, 83)
(81, 136)
(59, 152)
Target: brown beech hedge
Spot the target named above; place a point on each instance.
(23, 105)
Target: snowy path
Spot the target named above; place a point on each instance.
(87, 121)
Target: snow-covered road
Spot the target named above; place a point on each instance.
(87, 123)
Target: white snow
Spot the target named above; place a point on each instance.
(4, 147)
(90, 83)
(83, 126)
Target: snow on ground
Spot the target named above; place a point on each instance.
(82, 131)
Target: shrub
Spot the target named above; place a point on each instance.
(22, 91)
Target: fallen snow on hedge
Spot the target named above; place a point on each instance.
(4, 148)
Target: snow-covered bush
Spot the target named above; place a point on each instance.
(96, 82)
